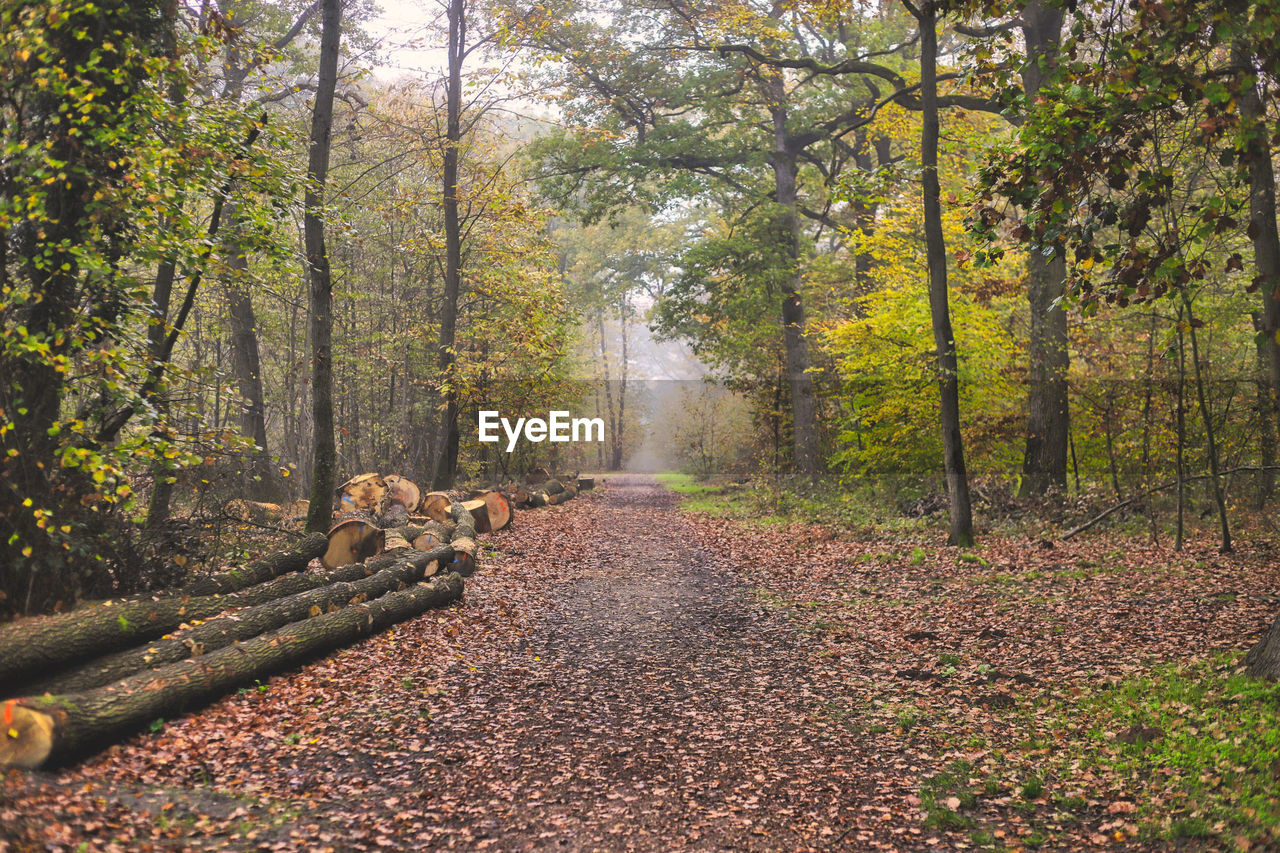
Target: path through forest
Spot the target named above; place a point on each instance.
(608, 684)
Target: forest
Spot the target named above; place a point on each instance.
(918, 330)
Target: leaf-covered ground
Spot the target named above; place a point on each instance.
(625, 676)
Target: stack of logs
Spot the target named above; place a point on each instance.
(93, 675)
(541, 488)
(104, 670)
(376, 513)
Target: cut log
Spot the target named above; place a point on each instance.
(53, 729)
(264, 569)
(254, 511)
(464, 523)
(520, 496)
(479, 510)
(586, 483)
(353, 541)
(499, 510)
(402, 492)
(38, 646)
(366, 492)
(463, 541)
(560, 497)
(553, 487)
(395, 516)
(435, 505)
(395, 573)
(537, 476)
(464, 556)
(427, 540)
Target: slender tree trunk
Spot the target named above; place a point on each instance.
(1206, 415)
(263, 480)
(1266, 421)
(1148, 477)
(616, 458)
(608, 387)
(961, 532)
(1044, 463)
(447, 462)
(161, 293)
(1181, 424)
(321, 302)
(1109, 431)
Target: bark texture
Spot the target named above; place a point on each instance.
(407, 568)
(37, 646)
(1044, 461)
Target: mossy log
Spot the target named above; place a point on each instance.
(463, 541)
(553, 487)
(384, 575)
(54, 729)
(39, 646)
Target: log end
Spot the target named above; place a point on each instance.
(428, 540)
(435, 505)
(27, 738)
(353, 541)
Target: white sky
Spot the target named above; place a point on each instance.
(404, 28)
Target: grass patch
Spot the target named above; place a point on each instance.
(946, 795)
(773, 502)
(1197, 744)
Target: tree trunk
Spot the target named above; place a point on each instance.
(321, 302)
(940, 312)
(37, 646)
(1206, 415)
(407, 568)
(58, 728)
(1263, 660)
(1266, 244)
(1044, 462)
(447, 462)
(262, 480)
(804, 427)
(259, 571)
(1180, 422)
(1266, 419)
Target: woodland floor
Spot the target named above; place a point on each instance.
(623, 676)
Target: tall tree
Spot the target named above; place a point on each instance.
(320, 276)
(1044, 463)
(939, 296)
(447, 458)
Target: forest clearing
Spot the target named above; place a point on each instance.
(639, 424)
